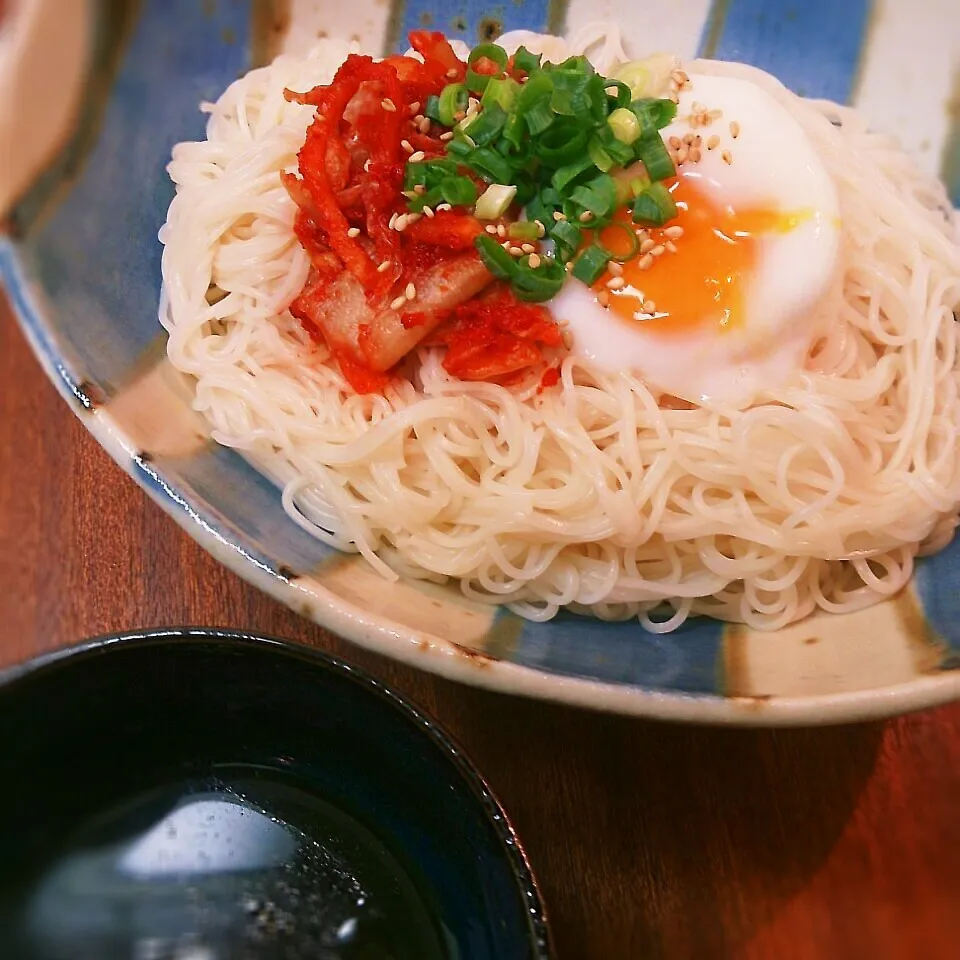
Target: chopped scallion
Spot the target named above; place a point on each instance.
(494, 257)
(494, 201)
(590, 264)
(654, 207)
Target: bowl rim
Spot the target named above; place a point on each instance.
(490, 806)
(445, 658)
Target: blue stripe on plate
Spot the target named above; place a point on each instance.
(96, 256)
(689, 660)
(935, 582)
(469, 20)
(812, 46)
(241, 506)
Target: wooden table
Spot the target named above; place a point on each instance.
(650, 841)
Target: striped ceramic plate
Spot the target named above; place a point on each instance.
(81, 262)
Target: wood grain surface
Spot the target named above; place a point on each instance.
(649, 840)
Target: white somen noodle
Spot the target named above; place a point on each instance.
(591, 495)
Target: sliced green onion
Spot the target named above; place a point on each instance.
(485, 126)
(649, 77)
(656, 159)
(458, 191)
(599, 196)
(494, 257)
(462, 147)
(539, 117)
(590, 264)
(490, 165)
(624, 124)
(485, 51)
(561, 144)
(654, 207)
(432, 108)
(571, 174)
(494, 201)
(631, 236)
(526, 61)
(623, 94)
(502, 91)
(523, 230)
(601, 159)
(453, 100)
(536, 284)
(567, 236)
(653, 114)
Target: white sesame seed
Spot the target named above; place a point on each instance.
(727, 157)
(400, 223)
(419, 189)
(568, 266)
(397, 303)
(687, 139)
(713, 142)
(682, 155)
(658, 250)
(674, 233)
(528, 248)
(603, 298)
(393, 220)
(714, 114)
(410, 291)
(383, 267)
(698, 107)
(586, 216)
(447, 136)
(558, 215)
(646, 262)
(459, 115)
(407, 145)
(428, 212)
(501, 230)
(541, 229)
(616, 283)
(474, 103)
(694, 155)
(534, 261)
(615, 269)
(443, 206)
(452, 73)
(424, 125)
(675, 142)
(366, 166)
(388, 105)
(490, 228)
(646, 246)
(515, 251)
(649, 306)
(353, 232)
(415, 106)
(418, 118)
(417, 157)
(670, 246)
(734, 129)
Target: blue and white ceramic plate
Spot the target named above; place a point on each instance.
(81, 261)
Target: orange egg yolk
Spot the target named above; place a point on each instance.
(693, 277)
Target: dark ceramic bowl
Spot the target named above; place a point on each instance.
(202, 795)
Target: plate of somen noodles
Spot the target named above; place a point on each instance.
(608, 356)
